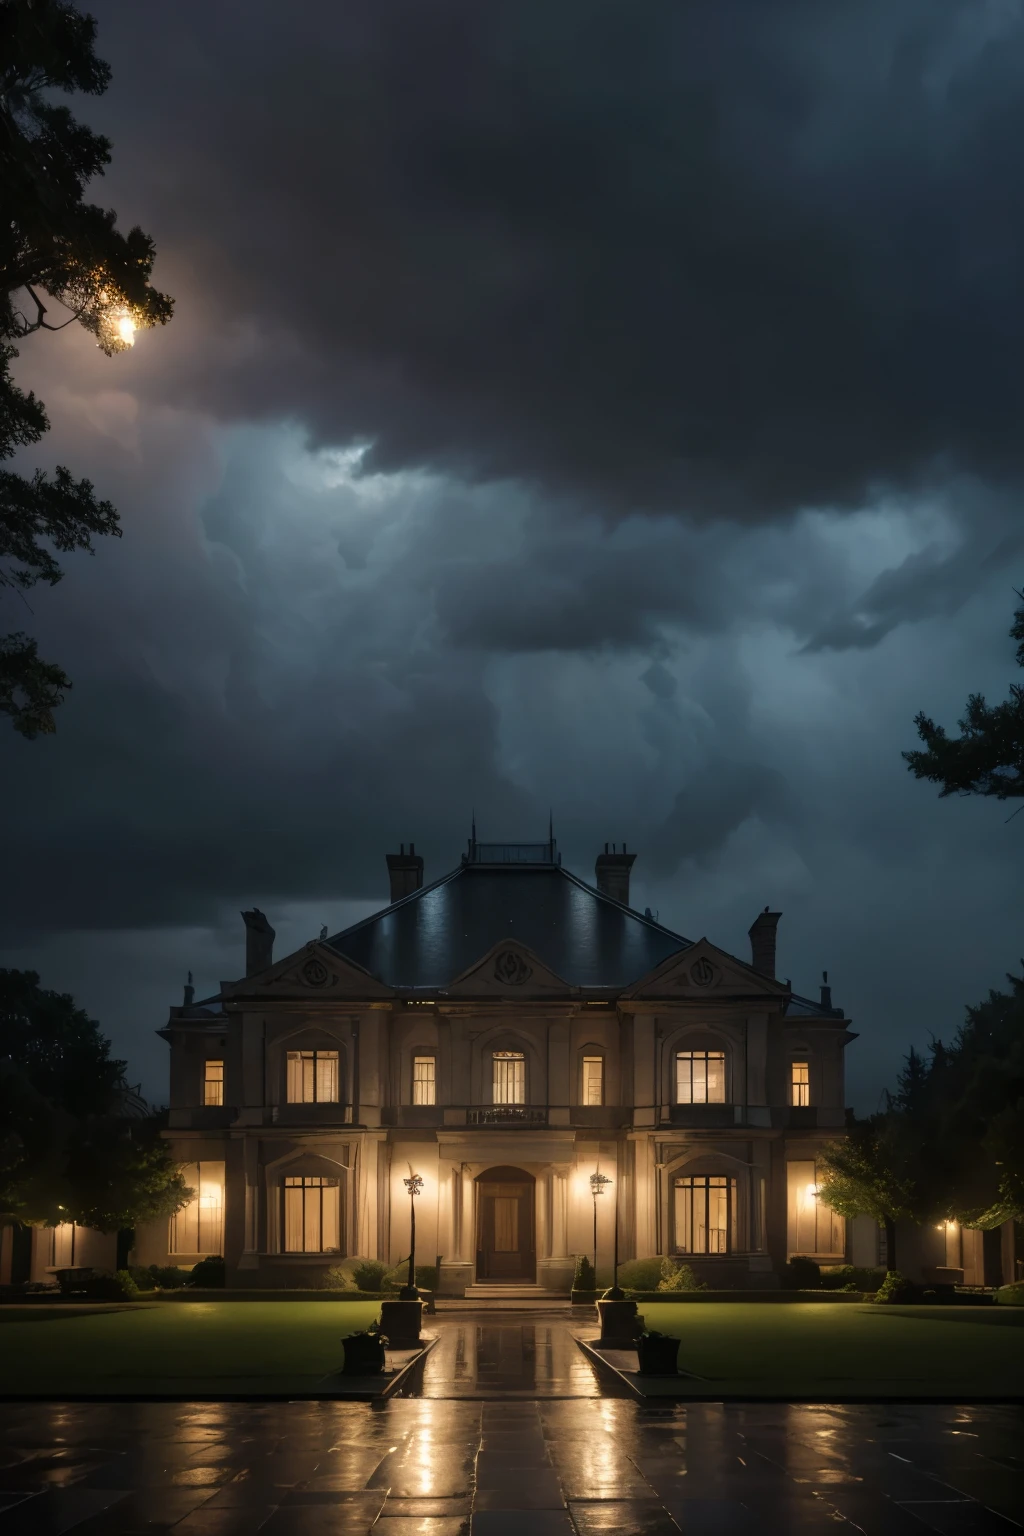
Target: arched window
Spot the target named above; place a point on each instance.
(700, 1077)
(705, 1216)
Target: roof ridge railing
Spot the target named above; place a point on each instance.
(512, 853)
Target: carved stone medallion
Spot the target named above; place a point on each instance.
(315, 973)
(703, 973)
(511, 969)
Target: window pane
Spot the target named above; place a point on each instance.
(294, 1090)
(684, 1092)
(423, 1086)
(801, 1084)
(700, 1077)
(718, 1216)
(199, 1226)
(716, 1077)
(326, 1076)
(509, 1081)
(311, 1218)
(813, 1227)
(213, 1083)
(293, 1215)
(330, 1218)
(705, 1214)
(593, 1079)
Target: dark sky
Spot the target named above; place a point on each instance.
(610, 407)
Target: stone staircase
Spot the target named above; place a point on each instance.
(523, 1292)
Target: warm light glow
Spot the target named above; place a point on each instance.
(811, 1191)
(126, 330)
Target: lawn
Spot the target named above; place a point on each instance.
(812, 1349)
(173, 1349)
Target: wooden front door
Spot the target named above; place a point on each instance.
(505, 1250)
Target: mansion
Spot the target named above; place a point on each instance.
(506, 1032)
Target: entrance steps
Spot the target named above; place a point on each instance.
(484, 1292)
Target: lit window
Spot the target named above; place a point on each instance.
(509, 1082)
(593, 1079)
(705, 1213)
(62, 1245)
(213, 1083)
(813, 1227)
(312, 1215)
(801, 1084)
(424, 1088)
(700, 1077)
(199, 1226)
(313, 1077)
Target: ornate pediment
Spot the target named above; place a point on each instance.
(311, 973)
(510, 970)
(705, 971)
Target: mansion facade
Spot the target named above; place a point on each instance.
(506, 1032)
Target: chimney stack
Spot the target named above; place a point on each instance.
(762, 942)
(826, 993)
(611, 873)
(259, 942)
(405, 871)
(190, 991)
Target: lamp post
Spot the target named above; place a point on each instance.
(414, 1184)
(597, 1184)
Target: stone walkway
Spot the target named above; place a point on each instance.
(510, 1438)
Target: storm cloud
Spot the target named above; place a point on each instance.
(606, 409)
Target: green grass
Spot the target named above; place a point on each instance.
(807, 1349)
(173, 1349)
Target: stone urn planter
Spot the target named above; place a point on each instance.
(618, 1321)
(657, 1354)
(364, 1353)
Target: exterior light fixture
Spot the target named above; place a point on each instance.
(414, 1184)
(597, 1184)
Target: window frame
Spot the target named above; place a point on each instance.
(707, 1054)
(174, 1248)
(301, 1182)
(800, 1092)
(705, 1182)
(510, 1057)
(587, 1057)
(208, 1082)
(312, 1053)
(419, 1057)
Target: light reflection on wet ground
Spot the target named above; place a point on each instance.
(511, 1436)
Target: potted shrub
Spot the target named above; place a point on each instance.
(364, 1352)
(657, 1354)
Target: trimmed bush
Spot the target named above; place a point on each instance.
(801, 1274)
(369, 1274)
(851, 1277)
(1011, 1295)
(678, 1277)
(119, 1287)
(585, 1278)
(168, 1277)
(896, 1289)
(142, 1277)
(636, 1274)
(210, 1271)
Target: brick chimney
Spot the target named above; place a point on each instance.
(259, 942)
(611, 873)
(762, 942)
(405, 871)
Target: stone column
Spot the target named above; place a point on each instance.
(560, 1211)
(542, 1216)
(251, 1228)
(467, 1225)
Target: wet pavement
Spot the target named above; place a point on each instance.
(510, 1436)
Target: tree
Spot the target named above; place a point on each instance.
(872, 1173)
(68, 1152)
(987, 758)
(53, 243)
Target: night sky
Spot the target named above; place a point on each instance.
(614, 408)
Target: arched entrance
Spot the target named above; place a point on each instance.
(505, 1249)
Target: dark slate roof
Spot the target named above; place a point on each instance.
(431, 937)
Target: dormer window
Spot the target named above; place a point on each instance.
(213, 1082)
(800, 1085)
(508, 1083)
(312, 1077)
(424, 1086)
(700, 1077)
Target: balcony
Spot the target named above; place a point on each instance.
(703, 1116)
(506, 1115)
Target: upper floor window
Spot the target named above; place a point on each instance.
(801, 1085)
(199, 1226)
(700, 1077)
(312, 1215)
(424, 1086)
(313, 1077)
(213, 1082)
(593, 1080)
(705, 1214)
(509, 1080)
